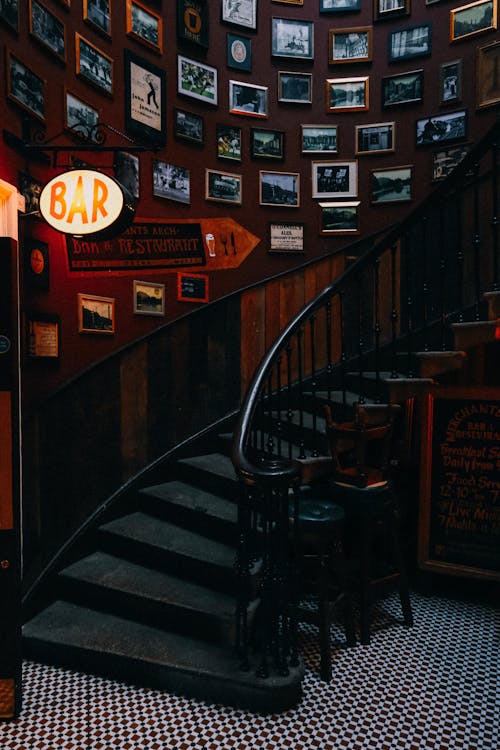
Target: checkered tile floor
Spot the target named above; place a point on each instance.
(435, 686)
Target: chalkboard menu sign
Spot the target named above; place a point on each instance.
(459, 527)
(192, 287)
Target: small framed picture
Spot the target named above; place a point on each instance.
(334, 179)
(93, 65)
(192, 22)
(223, 187)
(403, 88)
(144, 25)
(9, 14)
(472, 19)
(145, 99)
(375, 139)
(410, 41)
(441, 128)
(339, 218)
(350, 45)
(81, 118)
(197, 80)
(292, 38)
(97, 13)
(149, 298)
(286, 237)
(239, 52)
(248, 99)
(391, 185)
(188, 126)
(347, 94)
(171, 181)
(96, 314)
(25, 88)
(295, 88)
(487, 78)
(126, 171)
(30, 189)
(43, 336)
(279, 189)
(319, 139)
(228, 142)
(445, 160)
(388, 9)
(48, 29)
(339, 6)
(241, 13)
(267, 144)
(450, 79)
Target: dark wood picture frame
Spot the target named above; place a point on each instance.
(43, 336)
(47, 29)
(410, 41)
(375, 138)
(441, 128)
(391, 185)
(403, 88)
(188, 126)
(192, 22)
(9, 14)
(228, 142)
(267, 144)
(30, 96)
(145, 99)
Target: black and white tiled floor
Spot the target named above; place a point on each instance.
(435, 686)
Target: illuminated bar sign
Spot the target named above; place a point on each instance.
(85, 202)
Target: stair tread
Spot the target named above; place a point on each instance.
(119, 575)
(215, 463)
(193, 498)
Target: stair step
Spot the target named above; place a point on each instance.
(466, 335)
(431, 364)
(392, 388)
(85, 640)
(493, 300)
(213, 472)
(122, 587)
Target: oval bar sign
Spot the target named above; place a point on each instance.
(86, 202)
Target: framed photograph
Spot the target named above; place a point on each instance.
(403, 88)
(242, 13)
(334, 179)
(228, 142)
(450, 79)
(188, 126)
(93, 65)
(43, 336)
(144, 25)
(279, 189)
(350, 45)
(47, 29)
(319, 139)
(471, 19)
(239, 52)
(36, 264)
(375, 139)
(96, 314)
(25, 88)
(286, 237)
(487, 78)
(197, 80)
(445, 160)
(30, 189)
(192, 287)
(441, 128)
(267, 144)
(411, 41)
(126, 171)
(339, 6)
(347, 94)
(339, 218)
(192, 22)
(388, 9)
(9, 14)
(294, 87)
(248, 99)
(292, 38)
(391, 185)
(81, 118)
(171, 181)
(149, 298)
(97, 13)
(223, 187)
(145, 99)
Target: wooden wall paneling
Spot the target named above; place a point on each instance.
(178, 395)
(134, 410)
(160, 377)
(223, 376)
(253, 333)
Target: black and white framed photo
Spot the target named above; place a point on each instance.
(450, 79)
(340, 217)
(96, 314)
(48, 29)
(239, 52)
(25, 88)
(294, 87)
(339, 6)
(279, 189)
(197, 80)
(145, 99)
(403, 88)
(286, 237)
(347, 94)
(144, 25)
(350, 45)
(292, 38)
(410, 41)
(319, 139)
(391, 185)
(149, 298)
(446, 159)
(474, 18)
(93, 65)
(267, 144)
(228, 142)
(126, 170)
(379, 138)
(188, 126)
(334, 179)
(248, 99)
(223, 187)
(192, 22)
(9, 14)
(389, 9)
(240, 12)
(441, 128)
(97, 13)
(171, 181)
(81, 118)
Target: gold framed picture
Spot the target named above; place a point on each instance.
(487, 79)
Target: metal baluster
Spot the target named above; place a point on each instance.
(289, 412)
(426, 286)
(361, 341)
(329, 363)
(495, 220)
(377, 328)
(302, 453)
(409, 305)
(476, 246)
(279, 423)
(243, 574)
(460, 254)
(270, 439)
(442, 276)
(314, 384)
(394, 312)
(343, 356)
